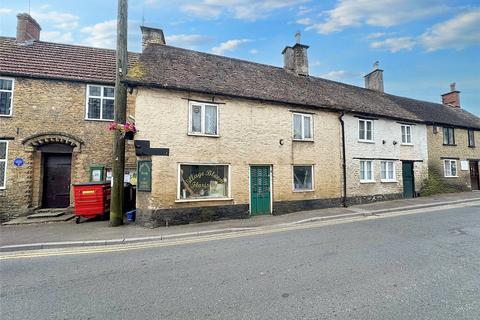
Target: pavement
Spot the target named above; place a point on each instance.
(98, 233)
(421, 265)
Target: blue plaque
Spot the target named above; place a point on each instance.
(18, 162)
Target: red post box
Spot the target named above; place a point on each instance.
(92, 199)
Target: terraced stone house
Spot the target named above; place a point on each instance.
(56, 101)
(246, 138)
(453, 152)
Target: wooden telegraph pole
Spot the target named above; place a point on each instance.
(116, 204)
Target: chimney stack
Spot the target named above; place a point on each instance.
(28, 30)
(452, 98)
(151, 35)
(374, 80)
(295, 59)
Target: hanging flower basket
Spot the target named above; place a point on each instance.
(127, 129)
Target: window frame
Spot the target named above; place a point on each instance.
(372, 169)
(449, 174)
(101, 97)
(471, 143)
(394, 171)
(372, 125)
(303, 115)
(229, 187)
(11, 97)
(312, 167)
(4, 187)
(407, 143)
(444, 130)
(202, 120)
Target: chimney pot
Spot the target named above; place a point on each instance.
(452, 98)
(28, 30)
(151, 35)
(374, 80)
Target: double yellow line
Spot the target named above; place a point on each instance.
(223, 236)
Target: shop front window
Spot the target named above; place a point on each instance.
(203, 181)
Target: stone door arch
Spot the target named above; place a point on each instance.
(52, 156)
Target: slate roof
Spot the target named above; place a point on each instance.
(58, 61)
(164, 66)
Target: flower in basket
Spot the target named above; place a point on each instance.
(128, 129)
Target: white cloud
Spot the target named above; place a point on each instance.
(239, 9)
(186, 40)
(5, 11)
(101, 35)
(56, 36)
(229, 45)
(457, 33)
(337, 75)
(60, 20)
(376, 35)
(386, 13)
(253, 51)
(304, 21)
(303, 10)
(395, 44)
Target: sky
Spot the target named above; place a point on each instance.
(422, 45)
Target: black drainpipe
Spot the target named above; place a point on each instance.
(344, 162)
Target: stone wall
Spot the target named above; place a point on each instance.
(49, 106)
(250, 133)
(437, 152)
(387, 144)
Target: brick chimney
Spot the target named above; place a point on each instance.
(452, 98)
(28, 30)
(151, 35)
(295, 59)
(374, 80)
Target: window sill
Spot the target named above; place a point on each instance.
(471, 146)
(303, 140)
(203, 200)
(203, 135)
(388, 181)
(300, 191)
(450, 176)
(449, 145)
(5, 115)
(366, 141)
(367, 181)
(99, 120)
(407, 144)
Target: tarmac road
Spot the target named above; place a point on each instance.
(417, 266)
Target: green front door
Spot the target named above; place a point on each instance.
(259, 190)
(408, 181)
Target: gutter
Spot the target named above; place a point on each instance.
(344, 161)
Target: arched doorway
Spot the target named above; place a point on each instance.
(52, 155)
(57, 170)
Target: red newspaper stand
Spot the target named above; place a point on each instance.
(92, 199)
